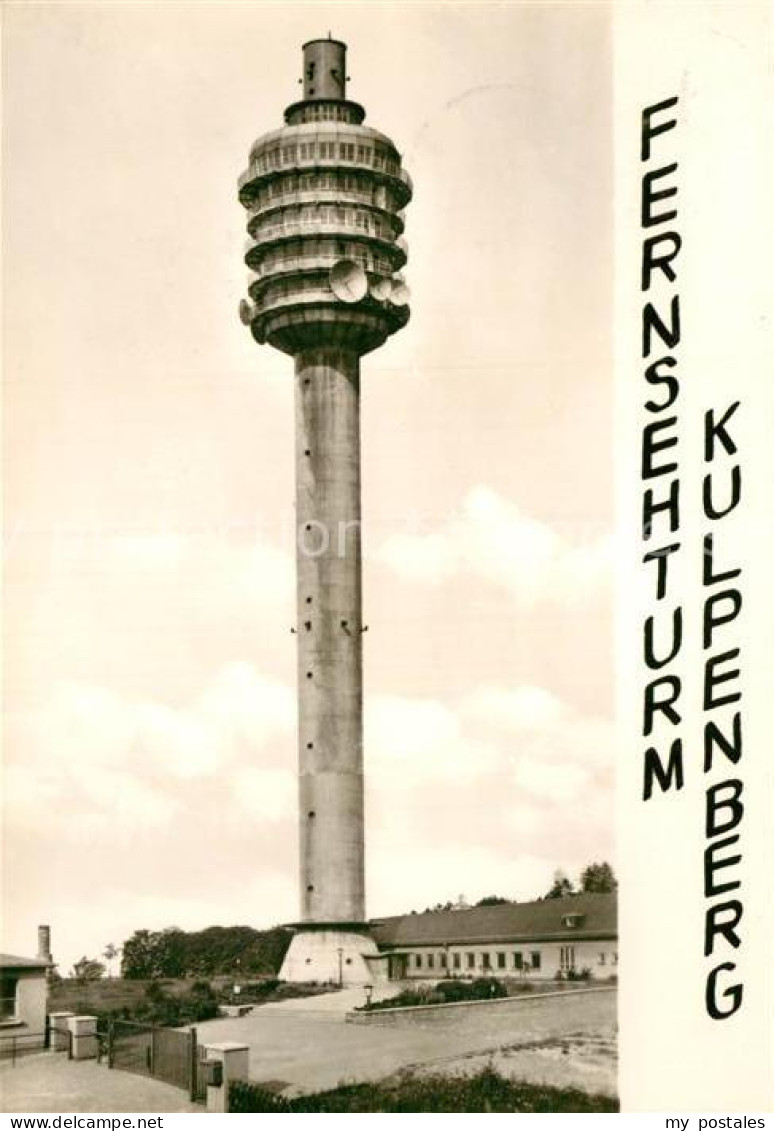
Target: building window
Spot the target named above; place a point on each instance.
(500, 961)
(442, 959)
(430, 961)
(417, 960)
(7, 996)
(518, 960)
(566, 957)
(471, 960)
(486, 961)
(456, 961)
(535, 959)
(602, 959)
(572, 920)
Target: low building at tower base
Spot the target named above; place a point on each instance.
(571, 936)
(339, 955)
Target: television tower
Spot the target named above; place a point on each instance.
(325, 196)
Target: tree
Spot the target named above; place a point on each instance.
(598, 878)
(110, 953)
(173, 953)
(88, 969)
(139, 955)
(492, 901)
(562, 886)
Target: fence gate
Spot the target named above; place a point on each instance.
(170, 1055)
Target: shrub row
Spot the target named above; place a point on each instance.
(443, 993)
(487, 1091)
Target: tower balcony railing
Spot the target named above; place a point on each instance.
(305, 229)
(260, 171)
(332, 198)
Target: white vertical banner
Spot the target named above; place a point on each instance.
(695, 647)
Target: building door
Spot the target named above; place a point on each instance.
(397, 967)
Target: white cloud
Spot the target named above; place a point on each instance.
(438, 873)
(488, 793)
(266, 794)
(241, 706)
(515, 709)
(491, 539)
(231, 574)
(550, 781)
(94, 758)
(506, 774)
(412, 741)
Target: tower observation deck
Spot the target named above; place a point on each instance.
(325, 196)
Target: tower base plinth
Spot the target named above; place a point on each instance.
(342, 957)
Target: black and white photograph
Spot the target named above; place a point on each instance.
(352, 645)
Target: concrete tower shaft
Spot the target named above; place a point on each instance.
(330, 683)
(325, 198)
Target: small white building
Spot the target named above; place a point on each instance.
(23, 990)
(537, 940)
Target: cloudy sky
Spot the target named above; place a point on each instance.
(148, 466)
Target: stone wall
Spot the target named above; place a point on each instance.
(586, 1005)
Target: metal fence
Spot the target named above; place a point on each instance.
(170, 1055)
(58, 1038)
(14, 1045)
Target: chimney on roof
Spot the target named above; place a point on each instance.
(44, 947)
(44, 942)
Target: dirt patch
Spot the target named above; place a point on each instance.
(587, 1061)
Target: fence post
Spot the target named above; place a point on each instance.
(193, 1062)
(233, 1058)
(110, 1039)
(83, 1037)
(59, 1030)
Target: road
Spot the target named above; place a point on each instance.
(306, 1043)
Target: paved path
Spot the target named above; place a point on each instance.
(337, 1002)
(51, 1082)
(308, 1045)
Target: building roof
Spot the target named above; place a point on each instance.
(13, 960)
(541, 920)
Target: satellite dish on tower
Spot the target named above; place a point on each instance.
(381, 289)
(245, 312)
(400, 293)
(348, 281)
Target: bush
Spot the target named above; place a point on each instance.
(487, 988)
(454, 990)
(443, 993)
(203, 990)
(487, 1091)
